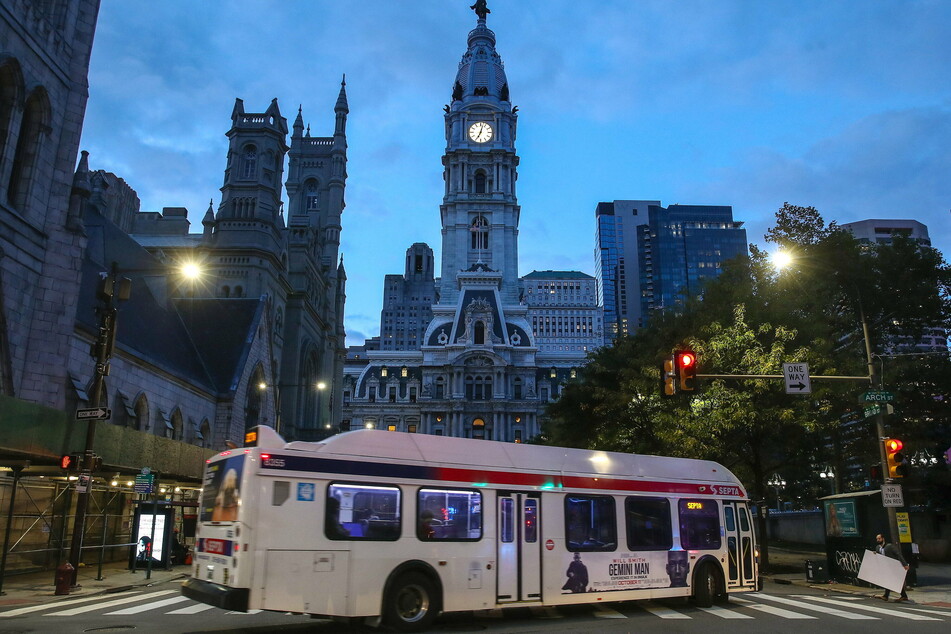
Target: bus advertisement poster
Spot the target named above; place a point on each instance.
(221, 490)
(605, 572)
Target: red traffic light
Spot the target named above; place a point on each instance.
(686, 362)
(686, 359)
(892, 445)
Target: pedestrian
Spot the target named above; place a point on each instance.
(893, 551)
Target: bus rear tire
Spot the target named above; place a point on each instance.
(410, 604)
(706, 587)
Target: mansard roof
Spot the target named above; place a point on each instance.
(557, 275)
(202, 341)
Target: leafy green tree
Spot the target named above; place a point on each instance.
(750, 320)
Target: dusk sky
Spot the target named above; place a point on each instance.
(842, 105)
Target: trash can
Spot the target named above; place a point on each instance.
(816, 571)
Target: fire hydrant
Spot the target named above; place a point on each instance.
(64, 578)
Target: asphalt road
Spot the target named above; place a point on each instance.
(780, 608)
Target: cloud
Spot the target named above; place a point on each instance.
(893, 164)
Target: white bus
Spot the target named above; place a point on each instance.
(399, 527)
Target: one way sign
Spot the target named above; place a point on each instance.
(797, 378)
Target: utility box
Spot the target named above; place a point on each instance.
(816, 571)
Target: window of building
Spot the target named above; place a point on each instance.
(363, 512)
(404, 372)
(517, 388)
(648, 523)
(480, 233)
(448, 515)
(250, 162)
(384, 372)
(33, 129)
(699, 524)
(478, 429)
(590, 523)
(312, 200)
(480, 182)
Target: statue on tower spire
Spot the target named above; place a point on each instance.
(480, 9)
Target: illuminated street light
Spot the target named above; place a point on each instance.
(191, 270)
(781, 259)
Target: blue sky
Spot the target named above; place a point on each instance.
(842, 105)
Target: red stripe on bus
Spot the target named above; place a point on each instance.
(579, 482)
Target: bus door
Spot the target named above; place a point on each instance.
(519, 551)
(739, 543)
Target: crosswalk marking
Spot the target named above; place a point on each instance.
(724, 613)
(47, 606)
(154, 605)
(193, 609)
(662, 612)
(772, 609)
(604, 612)
(817, 608)
(871, 608)
(837, 607)
(107, 604)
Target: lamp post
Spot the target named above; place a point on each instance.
(782, 259)
(321, 386)
(777, 483)
(829, 474)
(112, 289)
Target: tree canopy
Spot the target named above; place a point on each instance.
(751, 319)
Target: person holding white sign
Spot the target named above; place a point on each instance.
(894, 552)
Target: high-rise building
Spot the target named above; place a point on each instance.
(563, 311)
(408, 301)
(479, 371)
(881, 231)
(649, 257)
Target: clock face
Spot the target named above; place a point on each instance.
(480, 132)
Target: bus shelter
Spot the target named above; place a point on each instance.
(851, 522)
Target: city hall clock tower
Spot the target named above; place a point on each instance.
(479, 213)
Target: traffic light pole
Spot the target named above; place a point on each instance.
(110, 286)
(877, 382)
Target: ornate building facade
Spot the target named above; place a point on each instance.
(478, 371)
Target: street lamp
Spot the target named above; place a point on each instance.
(828, 474)
(321, 386)
(776, 482)
(782, 259)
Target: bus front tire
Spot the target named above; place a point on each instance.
(706, 587)
(410, 603)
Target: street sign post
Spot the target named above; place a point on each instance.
(94, 413)
(796, 376)
(892, 495)
(144, 482)
(876, 396)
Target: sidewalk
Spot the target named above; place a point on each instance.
(39, 587)
(933, 587)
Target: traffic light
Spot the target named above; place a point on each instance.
(70, 461)
(669, 375)
(895, 459)
(686, 365)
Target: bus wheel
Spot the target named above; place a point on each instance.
(411, 603)
(705, 587)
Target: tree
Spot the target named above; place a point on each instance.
(751, 319)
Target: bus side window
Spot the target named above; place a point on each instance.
(366, 512)
(590, 523)
(648, 523)
(699, 524)
(448, 514)
(282, 491)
